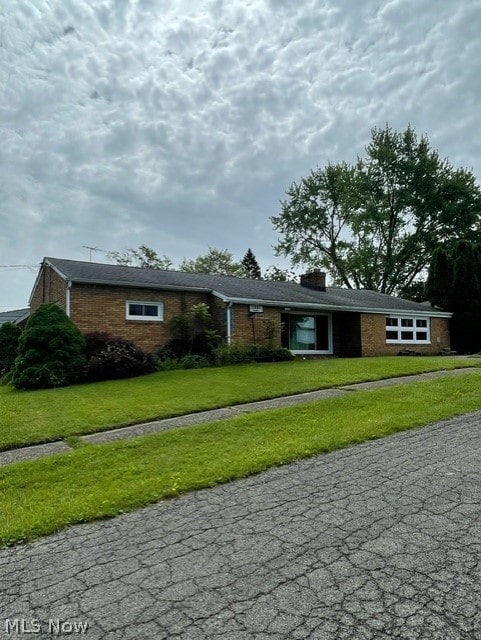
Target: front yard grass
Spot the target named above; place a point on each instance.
(96, 481)
(30, 417)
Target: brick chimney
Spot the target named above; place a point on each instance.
(315, 279)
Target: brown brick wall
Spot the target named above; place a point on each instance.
(373, 337)
(102, 308)
(250, 328)
(50, 288)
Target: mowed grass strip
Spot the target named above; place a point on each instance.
(41, 416)
(98, 481)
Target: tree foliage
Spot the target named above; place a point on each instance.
(277, 274)
(216, 262)
(454, 284)
(251, 266)
(143, 257)
(9, 338)
(194, 333)
(50, 351)
(440, 279)
(375, 225)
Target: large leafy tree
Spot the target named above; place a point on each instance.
(375, 224)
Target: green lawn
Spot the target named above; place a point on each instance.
(97, 481)
(28, 417)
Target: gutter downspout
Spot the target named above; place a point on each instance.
(229, 323)
(67, 298)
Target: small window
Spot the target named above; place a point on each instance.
(153, 311)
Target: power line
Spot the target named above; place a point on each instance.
(18, 266)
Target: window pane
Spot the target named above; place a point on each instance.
(145, 311)
(421, 335)
(151, 310)
(303, 333)
(422, 323)
(406, 322)
(135, 309)
(391, 335)
(407, 335)
(391, 322)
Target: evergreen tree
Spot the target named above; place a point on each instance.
(251, 265)
(466, 274)
(439, 284)
(51, 351)
(454, 284)
(9, 337)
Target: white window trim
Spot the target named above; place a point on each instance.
(414, 329)
(158, 318)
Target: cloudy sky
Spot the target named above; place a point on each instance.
(180, 124)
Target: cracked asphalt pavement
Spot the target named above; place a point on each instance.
(378, 541)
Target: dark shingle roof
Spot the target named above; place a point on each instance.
(235, 289)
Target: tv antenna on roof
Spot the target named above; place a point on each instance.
(93, 249)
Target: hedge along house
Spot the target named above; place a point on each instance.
(307, 318)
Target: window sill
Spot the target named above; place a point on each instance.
(408, 342)
(306, 352)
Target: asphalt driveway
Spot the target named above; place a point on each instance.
(379, 541)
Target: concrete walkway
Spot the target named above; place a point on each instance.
(43, 450)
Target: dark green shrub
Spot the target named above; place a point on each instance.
(188, 361)
(173, 350)
(111, 358)
(237, 354)
(9, 337)
(50, 351)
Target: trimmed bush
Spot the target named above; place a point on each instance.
(50, 351)
(237, 354)
(9, 337)
(188, 361)
(111, 358)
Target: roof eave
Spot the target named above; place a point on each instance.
(328, 307)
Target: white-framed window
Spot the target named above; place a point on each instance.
(407, 329)
(146, 311)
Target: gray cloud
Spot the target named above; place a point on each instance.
(180, 125)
